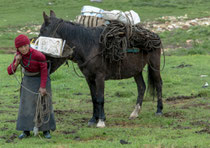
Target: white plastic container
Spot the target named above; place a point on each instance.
(50, 46)
(91, 11)
(128, 17)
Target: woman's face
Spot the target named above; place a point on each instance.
(24, 49)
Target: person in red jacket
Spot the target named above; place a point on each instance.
(36, 81)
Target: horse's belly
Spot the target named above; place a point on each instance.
(125, 69)
(118, 76)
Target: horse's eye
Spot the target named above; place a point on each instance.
(45, 29)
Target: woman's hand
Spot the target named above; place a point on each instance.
(42, 91)
(18, 58)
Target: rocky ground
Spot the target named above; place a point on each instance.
(165, 23)
(169, 23)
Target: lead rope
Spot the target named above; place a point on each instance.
(164, 63)
(42, 111)
(76, 71)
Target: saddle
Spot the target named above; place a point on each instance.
(90, 21)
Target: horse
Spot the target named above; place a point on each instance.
(87, 54)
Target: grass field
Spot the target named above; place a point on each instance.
(185, 122)
(186, 114)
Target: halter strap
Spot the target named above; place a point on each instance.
(59, 23)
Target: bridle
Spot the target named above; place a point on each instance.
(57, 27)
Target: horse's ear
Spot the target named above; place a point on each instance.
(46, 18)
(52, 13)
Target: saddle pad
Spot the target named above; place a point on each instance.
(90, 21)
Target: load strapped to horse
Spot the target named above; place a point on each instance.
(122, 32)
(118, 39)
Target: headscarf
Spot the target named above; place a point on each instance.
(21, 40)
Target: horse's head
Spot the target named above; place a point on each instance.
(50, 28)
(50, 25)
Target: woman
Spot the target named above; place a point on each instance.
(35, 83)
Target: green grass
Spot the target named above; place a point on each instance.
(185, 123)
(178, 38)
(30, 11)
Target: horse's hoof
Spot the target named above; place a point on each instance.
(91, 123)
(158, 113)
(133, 116)
(101, 124)
(135, 112)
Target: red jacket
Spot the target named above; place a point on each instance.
(36, 64)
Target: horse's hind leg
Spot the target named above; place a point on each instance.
(158, 87)
(141, 89)
(155, 80)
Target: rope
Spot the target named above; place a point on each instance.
(117, 37)
(42, 110)
(21, 84)
(29, 61)
(76, 71)
(114, 41)
(88, 60)
(59, 23)
(144, 38)
(164, 63)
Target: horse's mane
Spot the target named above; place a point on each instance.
(85, 36)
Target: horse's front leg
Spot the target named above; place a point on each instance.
(92, 86)
(100, 99)
(141, 89)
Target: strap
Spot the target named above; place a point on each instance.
(30, 74)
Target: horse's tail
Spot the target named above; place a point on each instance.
(151, 81)
(154, 78)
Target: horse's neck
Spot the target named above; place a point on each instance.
(80, 39)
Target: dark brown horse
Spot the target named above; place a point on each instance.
(87, 54)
